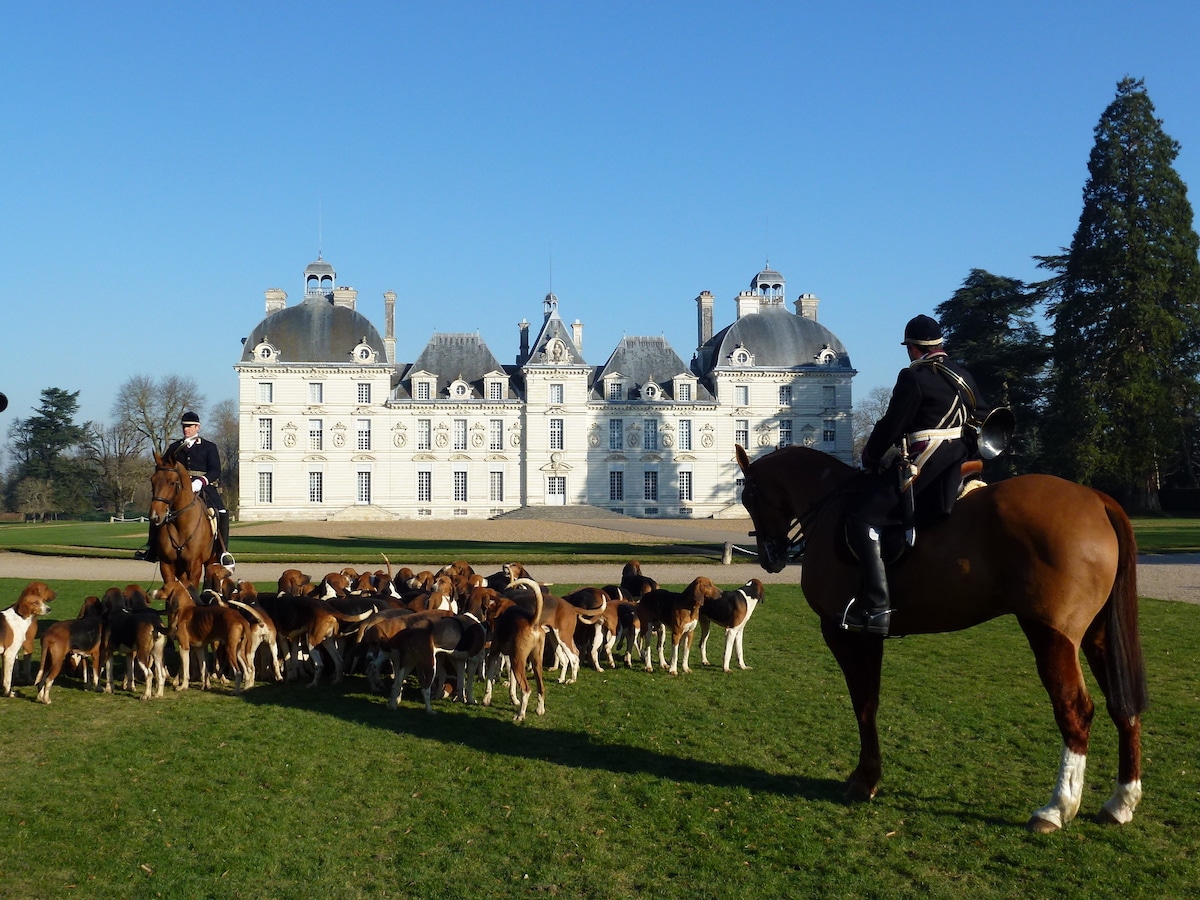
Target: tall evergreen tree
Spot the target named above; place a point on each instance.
(989, 327)
(1126, 315)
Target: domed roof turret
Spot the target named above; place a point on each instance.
(316, 330)
(775, 338)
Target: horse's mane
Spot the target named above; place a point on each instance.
(799, 455)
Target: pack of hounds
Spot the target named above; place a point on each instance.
(446, 629)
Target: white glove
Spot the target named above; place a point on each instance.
(197, 485)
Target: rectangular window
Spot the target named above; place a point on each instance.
(265, 487)
(264, 434)
(316, 434)
(364, 434)
(460, 434)
(616, 486)
(614, 390)
(364, 392)
(556, 395)
(556, 434)
(364, 487)
(828, 396)
(741, 395)
(316, 392)
(785, 432)
(424, 487)
(495, 434)
(685, 393)
(785, 395)
(650, 435)
(424, 427)
(496, 487)
(685, 434)
(650, 485)
(423, 391)
(829, 431)
(460, 487)
(741, 432)
(685, 487)
(316, 487)
(495, 390)
(266, 392)
(616, 434)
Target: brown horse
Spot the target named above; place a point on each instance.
(185, 535)
(1058, 556)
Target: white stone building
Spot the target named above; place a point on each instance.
(332, 426)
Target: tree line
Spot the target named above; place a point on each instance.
(60, 467)
(1100, 360)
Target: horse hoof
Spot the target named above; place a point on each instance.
(1105, 817)
(1038, 825)
(857, 792)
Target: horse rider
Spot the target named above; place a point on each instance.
(927, 416)
(202, 459)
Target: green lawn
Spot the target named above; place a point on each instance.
(121, 539)
(703, 785)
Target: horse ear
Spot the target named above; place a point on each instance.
(158, 460)
(742, 458)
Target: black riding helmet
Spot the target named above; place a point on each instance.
(922, 331)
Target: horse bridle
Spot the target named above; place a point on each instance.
(798, 525)
(172, 513)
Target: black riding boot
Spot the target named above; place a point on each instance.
(227, 559)
(149, 553)
(869, 610)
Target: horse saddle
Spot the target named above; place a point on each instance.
(897, 538)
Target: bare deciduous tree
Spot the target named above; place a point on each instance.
(867, 412)
(223, 430)
(153, 408)
(121, 466)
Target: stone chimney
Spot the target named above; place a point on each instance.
(806, 305)
(276, 300)
(389, 325)
(748, 303)
(523, 353)
(345, 296)
(704, 318)
(577, 335)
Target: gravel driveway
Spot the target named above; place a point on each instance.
(1166, 577)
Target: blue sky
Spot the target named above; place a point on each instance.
(164, 164)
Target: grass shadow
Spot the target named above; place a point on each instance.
(488, 733)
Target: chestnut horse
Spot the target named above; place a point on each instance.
(1059, 556)
(185, 535)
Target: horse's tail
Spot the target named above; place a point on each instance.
(1127, 696)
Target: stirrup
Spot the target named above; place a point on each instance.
(227, 560)
(859, 620)
(143, 554)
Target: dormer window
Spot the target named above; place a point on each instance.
(651, 391)
(826, 357)
(459, 390)
(266, 353)
(741, 357)
(363, 353)
(423, 389)
(615, 390)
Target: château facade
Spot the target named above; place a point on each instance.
(332, 426)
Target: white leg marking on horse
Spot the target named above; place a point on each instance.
(1068, 792)
(1124, 801)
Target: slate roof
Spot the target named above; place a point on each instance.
(314, 331)
(776, 338)
(452, 356)
(641, 360)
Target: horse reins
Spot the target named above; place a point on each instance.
(173, 513)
